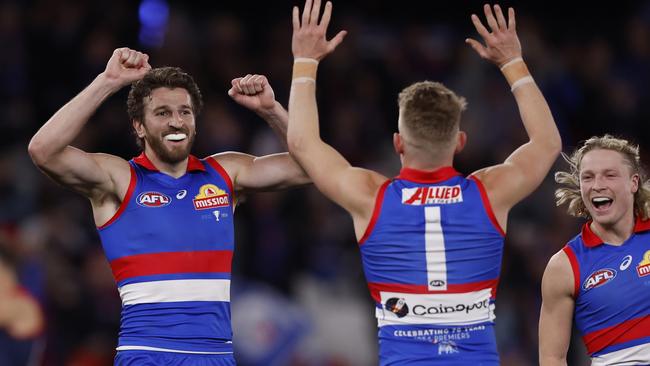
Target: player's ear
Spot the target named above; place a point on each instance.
(461, 140)
(635, 183)
(138, 126)
(398, 143)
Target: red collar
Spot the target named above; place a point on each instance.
(193, 163)
(424, 176)
(591, 239)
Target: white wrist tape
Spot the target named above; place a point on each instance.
(525, 80)
(305, 60)
(303, 80)
(513, 61)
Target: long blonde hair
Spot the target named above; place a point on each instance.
(570, 192)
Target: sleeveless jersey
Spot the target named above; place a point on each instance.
(612, 295)
(432, 256)
(170, 247)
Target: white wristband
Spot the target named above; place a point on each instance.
(305, 60)
(519, 82)
(513, 61)
(303, 80)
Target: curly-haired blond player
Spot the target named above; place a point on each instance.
(602, 276)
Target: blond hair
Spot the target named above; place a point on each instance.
(570, 193)
(430, 111)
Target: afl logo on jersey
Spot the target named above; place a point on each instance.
(599, 278)
(397, 306)
(153, 199)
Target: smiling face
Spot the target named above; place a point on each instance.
(169, 125)
(607, 186)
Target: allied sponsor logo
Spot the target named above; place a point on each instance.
(599, 278)
(643, 269)
(432, 195)
(181, 194)
(153, 199)
(397, 306)
(210, 196)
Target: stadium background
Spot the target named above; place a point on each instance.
(299, 295)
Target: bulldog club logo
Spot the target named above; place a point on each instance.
(153, 199)
(397, 306)
(643, 269)
(210, 196)
(599, 278)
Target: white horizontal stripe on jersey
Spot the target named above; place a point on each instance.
(636, 355)
(175, 290)
(156, 349)
(443, 309)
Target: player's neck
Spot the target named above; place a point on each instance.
(413, 162)
(616, 233)
(173, 169)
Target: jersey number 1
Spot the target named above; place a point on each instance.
(434, 241)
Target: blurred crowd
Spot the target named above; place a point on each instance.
(299, 295)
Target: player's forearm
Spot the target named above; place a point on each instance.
(552, 361)
(62, 128)
(533, 108)
(278, 120)
(303, 130)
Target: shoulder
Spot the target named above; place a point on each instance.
(559, 276)
(117, 168)
(559, 262)
(232, 161)
(112, 164)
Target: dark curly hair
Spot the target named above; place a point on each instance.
(161, 77)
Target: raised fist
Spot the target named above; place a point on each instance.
(126, 65)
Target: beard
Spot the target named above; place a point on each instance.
(170, 155)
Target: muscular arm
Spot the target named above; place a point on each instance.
(556, 315)
(266, 173)
(255, 93)
(102, 178)
(278, 119)
(50, 147)
(352, 188)
(524, 170)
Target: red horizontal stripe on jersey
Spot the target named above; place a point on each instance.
(617, 334)
(172, 262)
(376, 288)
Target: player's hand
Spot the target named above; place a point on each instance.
(125, 66)
(253, 92)
(309, 36)
(501, 43)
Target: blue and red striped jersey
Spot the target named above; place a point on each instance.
(612, 294)
(432, 256)
(170, 247)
